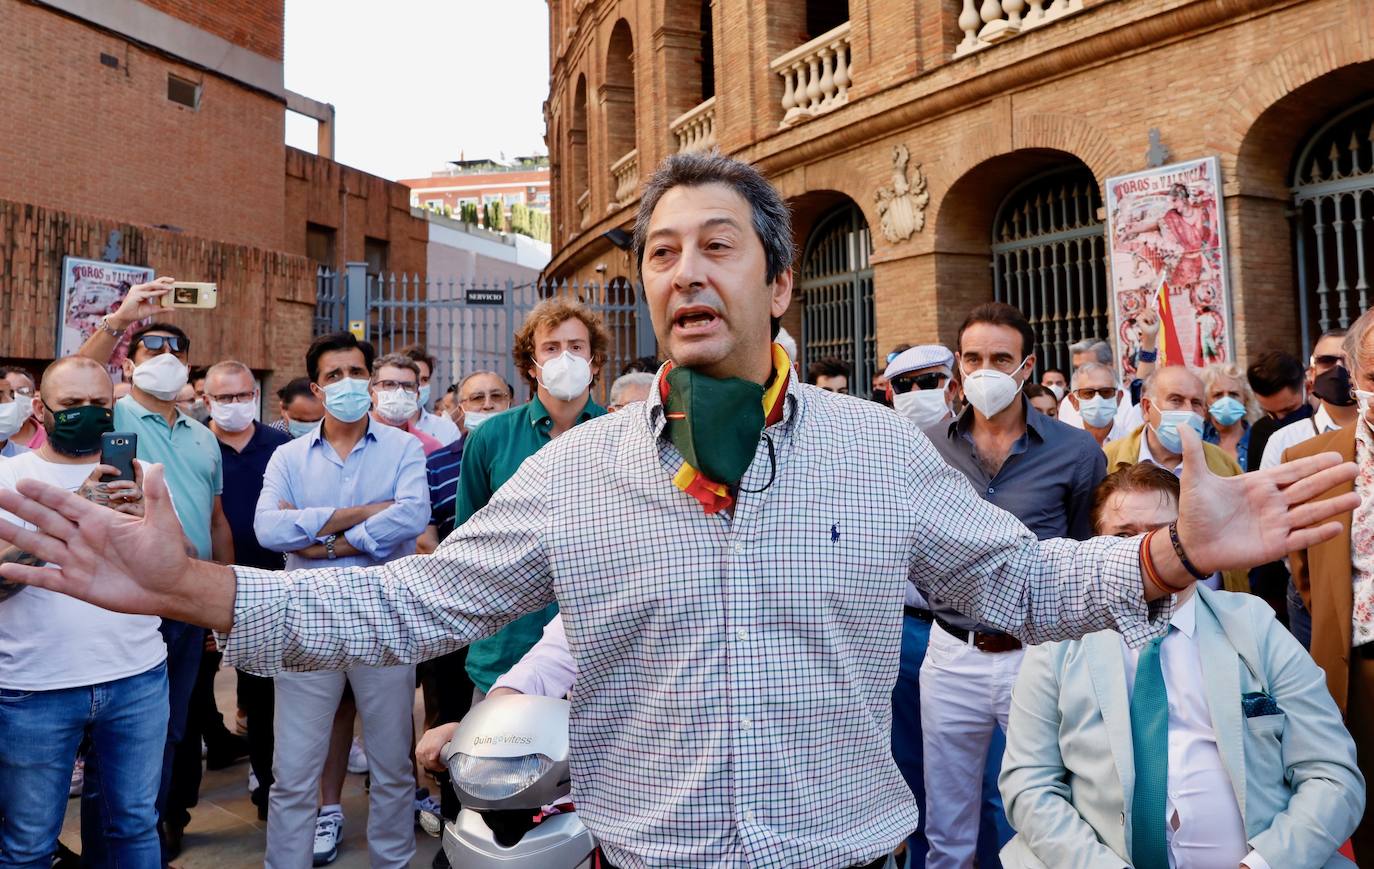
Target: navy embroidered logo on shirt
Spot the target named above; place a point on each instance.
(835, 533)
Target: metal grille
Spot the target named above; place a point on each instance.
(1049, 260)
(837, 295)
(471, 327)
(1333, 195)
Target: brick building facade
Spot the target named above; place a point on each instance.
(998, 113)
(164, 120)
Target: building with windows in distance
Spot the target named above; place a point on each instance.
(520, 181)
(941, 153)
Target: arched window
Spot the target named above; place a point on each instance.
(1049, 259)
(618, 97)
(577, 147)
(1333, 197)
(836, 286)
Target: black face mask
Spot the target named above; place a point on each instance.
(1333, 387)
(880, 396)
(76, 431)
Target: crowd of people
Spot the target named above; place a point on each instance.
(1029, 707)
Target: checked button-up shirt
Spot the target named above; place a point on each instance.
(735, 672)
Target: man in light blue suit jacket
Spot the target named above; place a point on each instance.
(1286, 792)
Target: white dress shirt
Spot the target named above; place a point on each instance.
(438, 426)
(1203, 824)
(1295, 433)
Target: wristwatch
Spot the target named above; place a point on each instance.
(104, 325)
(329, 546)
(1147, 355)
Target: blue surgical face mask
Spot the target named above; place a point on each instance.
(1167, 430)
(1097, 411)
(298, 428)
(424, 397)
(347, 400)
(1226, 411)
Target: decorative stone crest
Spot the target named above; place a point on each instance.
(902, 207)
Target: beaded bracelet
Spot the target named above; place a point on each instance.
(1178, 550)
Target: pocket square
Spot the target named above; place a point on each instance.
(1258, 703)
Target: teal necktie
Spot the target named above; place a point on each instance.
(1150, 745)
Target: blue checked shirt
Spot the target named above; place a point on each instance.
(734, 697)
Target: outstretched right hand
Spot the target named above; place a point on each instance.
(142, 301)
(112, 560)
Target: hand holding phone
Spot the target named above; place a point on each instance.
(117, 449)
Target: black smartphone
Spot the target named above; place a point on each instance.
(117, 449)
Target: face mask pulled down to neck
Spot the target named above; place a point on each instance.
(990, 391)
(12, 417)
(347, 400)
(1169, 423)
(924, 407)
(566, 376)
(161, 377)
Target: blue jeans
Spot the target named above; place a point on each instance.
(40, 731)
(994, 831)
(185, 645)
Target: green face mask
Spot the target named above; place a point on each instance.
(715, 424)
(76, 431)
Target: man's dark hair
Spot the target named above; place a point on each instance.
(158, 327)
(1140, 477)
(644, 364)
(1275, 371)
(1058, 371)
(1035, 390)
(331, 342)
(417, 353)
(295, 388)
(1000, 314)
(771, 217)
(827, 367)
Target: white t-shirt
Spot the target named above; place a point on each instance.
(49, 640)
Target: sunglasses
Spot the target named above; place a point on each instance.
(155, 343)
(1085, 393)
(1328, 361)
(932, 380)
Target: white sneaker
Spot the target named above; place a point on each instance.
(78, 778)
(328, 832)
(252, 781)
(428, 815)
(357, 758)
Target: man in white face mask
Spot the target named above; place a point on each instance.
(157, 368)
(922, 384)
(436, 425)
(1041, 471)
(559, 350)
(15, 410)
(395, 390)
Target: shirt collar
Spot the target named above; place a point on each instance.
(1147, 456)
(1185, 615)
(146, 413)
(539, 415)
(1323, 420)
(317, 433)
(1036, 422)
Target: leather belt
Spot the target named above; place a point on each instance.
(996, 642)
(917, 613)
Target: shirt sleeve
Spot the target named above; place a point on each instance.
(217, 477)
(406, 518)
(279, 529)
(1274, 447)
(547, 669)
(486, 574)
(983, 562)
(1253, 860)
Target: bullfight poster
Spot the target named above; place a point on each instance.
(1167, 237)
(90, 290)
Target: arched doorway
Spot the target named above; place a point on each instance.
(835, 282)
(1333, 201)
(577, 145)
(618, 96)
(1049, 260)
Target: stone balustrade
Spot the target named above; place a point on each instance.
(816, 76)
(584, 208)
(989, 22)
(695, 129)
(625, 172)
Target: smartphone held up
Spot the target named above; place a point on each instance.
(191, 294)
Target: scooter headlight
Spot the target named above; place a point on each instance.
(497, 778)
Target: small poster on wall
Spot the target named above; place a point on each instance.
(90, 290)
(1167, 236)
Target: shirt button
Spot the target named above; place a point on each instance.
(749, 815)
(991, 490)
(745, 725)
(742, 634)
(739, 548)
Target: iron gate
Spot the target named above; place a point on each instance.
(836, 285)
(1333, 196)
(470, 326)
(1049, 260)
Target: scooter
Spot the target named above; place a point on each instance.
(508, 761)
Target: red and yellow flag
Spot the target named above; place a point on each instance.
(1170, 350)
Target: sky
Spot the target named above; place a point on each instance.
(415, 83)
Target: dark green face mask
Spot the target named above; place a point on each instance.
(715, 424)
(76, 431)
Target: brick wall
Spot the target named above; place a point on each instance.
(257, 25)
(83, 137)
(1247, 80)
(266, 298)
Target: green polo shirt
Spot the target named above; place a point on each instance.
(491, 456)
(191, 461)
